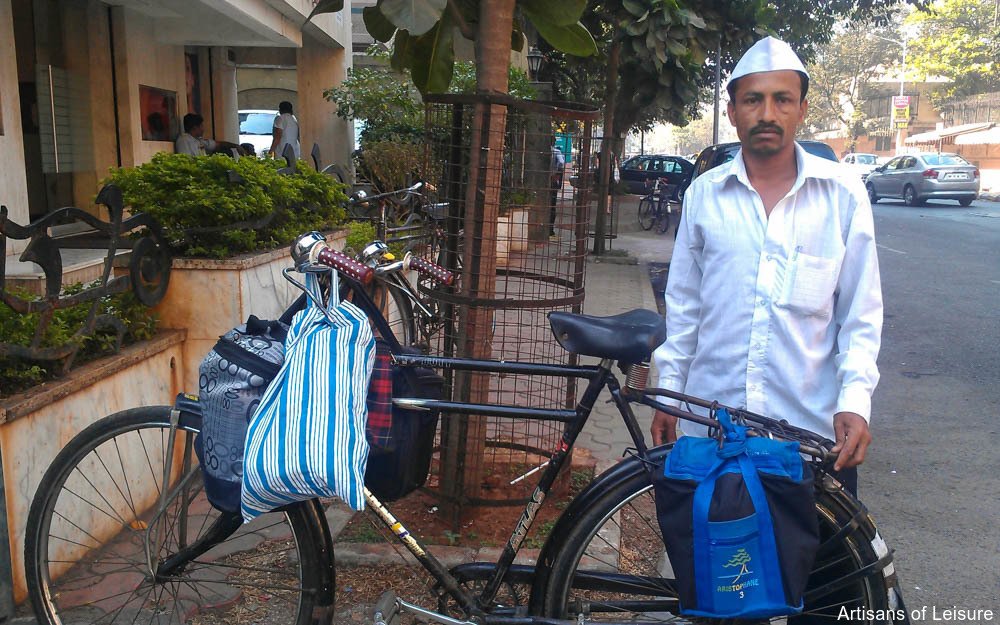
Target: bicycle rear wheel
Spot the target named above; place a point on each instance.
(85, 552)
(647, 213)
(618, 535)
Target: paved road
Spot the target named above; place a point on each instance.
(931, 481)
(932, 478)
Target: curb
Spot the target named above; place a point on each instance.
(613, 260)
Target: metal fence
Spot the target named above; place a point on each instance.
(519, 256)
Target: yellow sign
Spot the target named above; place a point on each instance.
(900, 111)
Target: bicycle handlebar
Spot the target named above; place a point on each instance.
(429, 269)
(412, 190)
(345, 265)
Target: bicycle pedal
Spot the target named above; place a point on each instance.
(386, 610)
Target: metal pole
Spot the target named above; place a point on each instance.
(902, 78)
(718, 80)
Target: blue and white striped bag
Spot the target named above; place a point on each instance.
(307, 437)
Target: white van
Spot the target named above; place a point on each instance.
(256, 127)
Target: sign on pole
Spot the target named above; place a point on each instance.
(900, 111)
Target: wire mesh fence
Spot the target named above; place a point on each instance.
(514, 228)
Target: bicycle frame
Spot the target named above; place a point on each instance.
(598, 377)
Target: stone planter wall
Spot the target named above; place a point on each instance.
(35, 425)
(208, 297)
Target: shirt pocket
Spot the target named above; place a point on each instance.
(809, 285)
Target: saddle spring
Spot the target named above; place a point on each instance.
(637, 376)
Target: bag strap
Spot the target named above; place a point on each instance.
(765, 528)
(247, 360)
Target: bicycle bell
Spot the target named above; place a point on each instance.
(373, 252)
(303, 247)
(360, 198)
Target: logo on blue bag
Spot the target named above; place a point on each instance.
(740, 559)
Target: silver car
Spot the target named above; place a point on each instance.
(920, 177)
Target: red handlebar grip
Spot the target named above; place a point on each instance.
(431, 270)
(346, 265)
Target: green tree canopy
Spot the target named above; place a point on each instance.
(959, 40)
(841, 69)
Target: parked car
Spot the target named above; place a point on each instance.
(715, 155)
(862, 164)
(920, 177)
(256, 128)
(639, 172)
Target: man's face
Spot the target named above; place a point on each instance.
(198, 130)
(767, 110)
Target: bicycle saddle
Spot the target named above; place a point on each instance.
(629, 337)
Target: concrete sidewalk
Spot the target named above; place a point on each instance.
(613, 289)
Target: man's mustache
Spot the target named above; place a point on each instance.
(766, 128)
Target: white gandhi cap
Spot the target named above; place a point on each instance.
(768, 55)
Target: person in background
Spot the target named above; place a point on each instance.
(557, 166)
(192, 141)
(286, 131)
(774, 301)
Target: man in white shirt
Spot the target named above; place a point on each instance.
(285, 132)
(192, 141)
(774, 301)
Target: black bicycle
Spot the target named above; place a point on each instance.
(656, 207)
(120, 531)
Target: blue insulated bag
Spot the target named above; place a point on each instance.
(739, 523)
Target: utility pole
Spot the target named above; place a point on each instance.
(902, 79)
(718, 81)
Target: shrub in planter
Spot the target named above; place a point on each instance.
(18, 374)
(206, 211)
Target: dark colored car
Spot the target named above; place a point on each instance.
(716, 155)
(920, 177)
(639, 172)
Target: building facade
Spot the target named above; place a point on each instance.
(87, 85)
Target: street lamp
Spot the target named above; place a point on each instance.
(535, 59)
(902, 78)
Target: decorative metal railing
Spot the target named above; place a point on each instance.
(148, 271)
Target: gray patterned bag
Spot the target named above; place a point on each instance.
(232, 379)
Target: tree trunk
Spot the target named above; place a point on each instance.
(482, 200)
(603, 177)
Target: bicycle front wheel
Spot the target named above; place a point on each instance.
(663, 223)
(93, 527)
(395, 306)
(647, 213)
(613, 566)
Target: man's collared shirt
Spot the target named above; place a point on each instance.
(188, 144)
(780, 315)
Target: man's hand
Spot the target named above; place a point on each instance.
(853, 438)
(663, 429)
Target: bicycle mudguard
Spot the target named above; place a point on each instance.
(580, 504)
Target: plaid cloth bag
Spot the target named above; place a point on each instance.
(379, 427)
(307, 438)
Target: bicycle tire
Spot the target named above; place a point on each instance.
(627, 510)
(663, 220)
(647, 213)
(395, 306)
(269, 567)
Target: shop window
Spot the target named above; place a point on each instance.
(158, 114)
